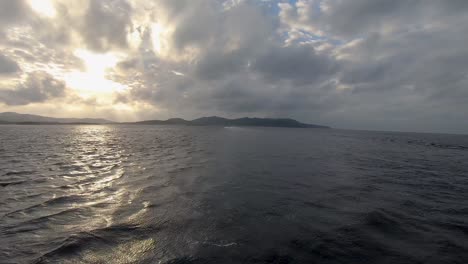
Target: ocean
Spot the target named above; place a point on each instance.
(174, 194)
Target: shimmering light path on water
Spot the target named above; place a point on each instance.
(149, 194)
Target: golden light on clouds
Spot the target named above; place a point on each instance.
(43, 7)
(97, 63)
(158, 32)
(163, 46)
(93, 81)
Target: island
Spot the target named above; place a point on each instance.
(226, 122)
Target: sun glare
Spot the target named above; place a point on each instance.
(97, 63)
(157, 37)
(43, 7)
(93, 81)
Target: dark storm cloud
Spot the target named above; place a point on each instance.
(12, 11)
(228, 75)
(299, 64)
(217, 66)
(427, 62)
(401, 62)
(357, 18)
(224, 45)
(38, 87)
(184, 14)
(106, 24)
(392, 63)
(7, 65)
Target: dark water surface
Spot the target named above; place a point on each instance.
(149, 194)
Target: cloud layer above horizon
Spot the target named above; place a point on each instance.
(368, 64)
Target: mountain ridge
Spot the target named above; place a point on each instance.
(16, 118)
(244, 121)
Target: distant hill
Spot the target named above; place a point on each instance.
(16, 118)
(220, 121)
(171, 121)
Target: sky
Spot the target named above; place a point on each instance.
(359, 64)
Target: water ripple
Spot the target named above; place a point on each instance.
(148, 194)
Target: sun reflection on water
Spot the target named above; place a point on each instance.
(95, 159)
(129, 252)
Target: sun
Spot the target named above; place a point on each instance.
(92, 82)
(97, 63)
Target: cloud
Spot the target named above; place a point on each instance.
(378, 64)
(299, 64)
(13, 11)
(38, 87)
(7, 65)
(106, 24)
(344, 19)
